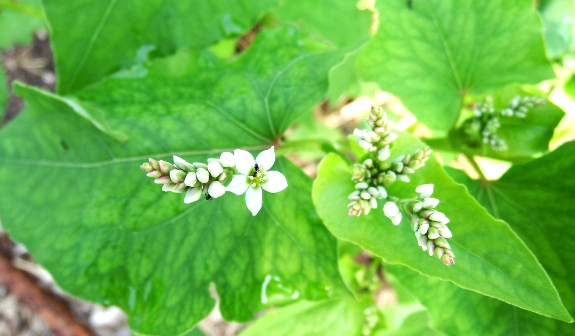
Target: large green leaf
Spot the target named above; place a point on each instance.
(536, 199)
(433, 52)
(490, 258)
(18, 22)
(343, 317)
(456, 311)
(106, 35)
(107, 233)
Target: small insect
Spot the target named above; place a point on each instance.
(256, 167)
(209, 198)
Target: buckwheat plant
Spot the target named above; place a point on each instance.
(483, 126)
(247, 175)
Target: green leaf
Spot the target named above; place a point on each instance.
(490, 258)
(456, 311)
(524, 137)
(18, 21)
(557, 17)
(536, 199)
(433, 53)
(105, 35)
(107, 233)
(339, 23)
(330, 317)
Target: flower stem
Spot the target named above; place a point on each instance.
(475, 166)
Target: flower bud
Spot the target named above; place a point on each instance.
(423, 228)
(215, 168)
(224, 176)
(365, 195)
(388, 178)
(200, 165)
(440, 252)
(365, 145)
(154, 174)
(177, 176)
(438, 217)
(165, 167)
(447, 259)
(146, 167)
(390, 209)
(432, 233)
(361, 185)
(382, 192)
(203, 175)
(441, 242)
(445, 232)
(403, 178)
(180, 188)
(424, 190)
(397, 167)
(216, 189)
(183, 164)
(368, 163)
(354, 195)
(383, 154)
(162, 180)
(193, 195)
(358, 172)
(190, 179)
(168, 187)
(228, 159)
(423, 242)
(396, 219)
(430, 203)
(430, 247)
(373, 203)
(373, 192)
(154, 164)
(417, 206)
(390, 137)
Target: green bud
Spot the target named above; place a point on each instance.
(147, 167)
(397, 167)
(368, 163)
(382, 165)
(433, 234)
(165, 167)
(154, 164)
(441, 242)
(358, 172)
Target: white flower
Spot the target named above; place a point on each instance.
(254, 176)
(190, 179)
(203, 175)
(430, 203)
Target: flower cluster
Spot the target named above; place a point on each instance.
(375, 173)
(430, 225)
(249, 176)
(483, 126)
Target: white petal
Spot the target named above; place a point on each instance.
(215, 168)
(239, 185)
(244, 161)
(254, 200)
(266, 158)
(192, 195)
(276, 182)
(227, 159)
(216, 189)
(396, 219)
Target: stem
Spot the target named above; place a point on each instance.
(475, 166)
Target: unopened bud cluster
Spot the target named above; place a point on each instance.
(483, 126)
(430, 225)
(376, 173)
(194, 179)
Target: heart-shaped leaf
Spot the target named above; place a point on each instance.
(107, 233)
(431, 53)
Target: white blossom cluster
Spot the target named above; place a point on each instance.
(248, 175)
